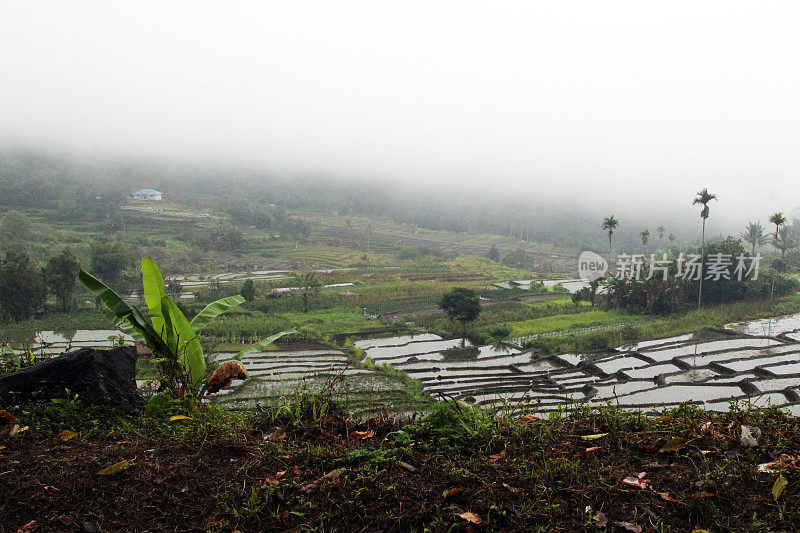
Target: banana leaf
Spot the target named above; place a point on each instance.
(182, 339)
(125, 326)
(153, 284)
(213, 310)
(129, 315)
(261, 344)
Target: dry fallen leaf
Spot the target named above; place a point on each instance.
(629, 527)
(115, 468)
(274, 433)
(471, 517)
(600, 520)
(449, 493)
(498, 456)
(777, 488)
(673, 445)
(784, 462)
(223, 375)
(702, 495)
(515, 490)
(179, 417)
(16, 429)
(708, 429)
(750, 436)
(593, 437)
(8, 416)
(27, 528)
(66, 435)
(362, 434)
(51, 488)
(527, 419)
(406, 466)
(590, 451)
(637, 481)
(333, 474)
(269, 480)
(666, 497)
(66, 520)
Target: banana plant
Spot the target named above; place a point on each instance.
(168, 333)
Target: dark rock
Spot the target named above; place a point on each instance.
(96, 376)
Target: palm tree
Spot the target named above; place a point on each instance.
(609, 225)
(703, 198)
(672, 237)
(779, 220)
(645, 236)
(754, 236)
(661, 231)
(786, 239)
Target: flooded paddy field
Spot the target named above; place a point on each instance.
(709, 368)
(52, 343)
(787, 326)
(297, 369)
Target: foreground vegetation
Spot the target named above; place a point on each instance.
(305, 465)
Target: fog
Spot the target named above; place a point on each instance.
(616, 107)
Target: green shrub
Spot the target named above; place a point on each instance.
(479, 336)
(500, 331)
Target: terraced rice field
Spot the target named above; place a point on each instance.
(312, 368)
(707, 368)
(327, 258)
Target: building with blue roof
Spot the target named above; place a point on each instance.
(147, 194)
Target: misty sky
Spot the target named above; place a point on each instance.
(606, 101)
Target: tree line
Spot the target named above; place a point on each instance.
(671, 292)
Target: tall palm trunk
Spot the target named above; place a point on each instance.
(702, 261)
(772, 285)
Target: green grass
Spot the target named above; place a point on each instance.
(585, 319)
(250, 326)
(227, 471)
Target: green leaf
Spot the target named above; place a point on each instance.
(126, 327)
(183, 339)
(213, 310)
(168, 333)
(777, 488)
(262, 344)
(126, 314)
(153, 283)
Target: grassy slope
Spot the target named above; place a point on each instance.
(613, 327)
(219, 472)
